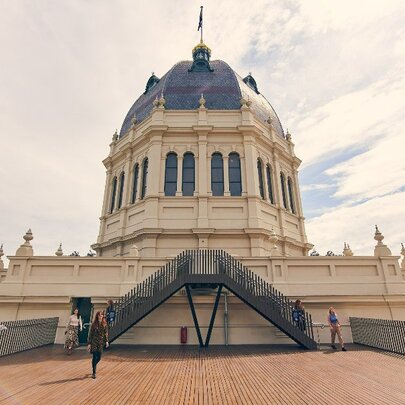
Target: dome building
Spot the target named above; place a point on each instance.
(202, 213)
(201, 161)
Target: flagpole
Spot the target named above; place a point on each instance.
(201, 24)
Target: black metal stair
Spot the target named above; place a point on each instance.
(210, 267)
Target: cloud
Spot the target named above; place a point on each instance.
(311, 187)
(374, 173)
(69, 72)
(354, 119)
(355, 225)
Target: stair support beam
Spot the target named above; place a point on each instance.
(196, 325)
(214, 312)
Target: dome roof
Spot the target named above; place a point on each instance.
(182, 88)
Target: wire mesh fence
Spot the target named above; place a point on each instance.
(379, 333)
(17, 336)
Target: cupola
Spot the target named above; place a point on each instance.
(201, 58)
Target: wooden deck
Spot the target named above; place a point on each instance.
(218, 375)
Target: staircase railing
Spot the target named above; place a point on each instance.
(210, 267)
(269, 302)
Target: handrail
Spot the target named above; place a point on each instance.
(217, 267)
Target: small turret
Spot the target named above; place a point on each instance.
(346, 250)
(26, 249)
(1, 261)
(59, 252)
(201, 58)
(403, 257)
(380, 249)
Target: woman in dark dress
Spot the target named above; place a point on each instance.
(98, 338)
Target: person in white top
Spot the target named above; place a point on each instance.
(72, 331)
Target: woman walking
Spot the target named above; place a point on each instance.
(98, 338)
(72, 332)
(335, 329)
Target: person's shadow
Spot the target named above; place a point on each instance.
(67, 380)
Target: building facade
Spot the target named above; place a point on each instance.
(202, 162)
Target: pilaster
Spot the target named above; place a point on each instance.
(179, 191)
(154, 156)
(226, 175)
(203, 171)
(252, 185)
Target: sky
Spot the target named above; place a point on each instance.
(333, 71)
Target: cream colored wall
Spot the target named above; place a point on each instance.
(93, 276)
(201, 132)
(245, 326)
(357, 286)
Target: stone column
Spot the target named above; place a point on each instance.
(153, 181)
(138, 181)
(154, 160)
(117, 192)
(105, 209)
(287, 194)
(298, 204)
(243, 175)
(278, 193)
(296, 192)
(276, 181)
(252, 185)
(126, 195)
(107, 191)
(265, 185)
(127, 179)
(225, 160)
(203, 174)
(197, 174)
(162, 176)
(179, 191)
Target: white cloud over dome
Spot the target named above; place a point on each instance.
(69, 72)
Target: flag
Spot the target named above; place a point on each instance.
(200, 21)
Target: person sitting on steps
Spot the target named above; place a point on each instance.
(298, 314)
(110, 312)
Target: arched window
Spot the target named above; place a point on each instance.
(291, 195)
(121, 192)
(113, 193)
(235, 182)
(270, 183)
(188, 185)
(217, 174)
(260, 173)
(283, 190)
(135, 183)
(144, 178)
(171, 174)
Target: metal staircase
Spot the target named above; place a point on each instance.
(210, 267)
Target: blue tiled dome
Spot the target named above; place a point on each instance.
(182, 88)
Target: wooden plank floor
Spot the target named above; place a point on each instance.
(219, 375)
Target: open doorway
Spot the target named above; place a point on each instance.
(86, 311)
